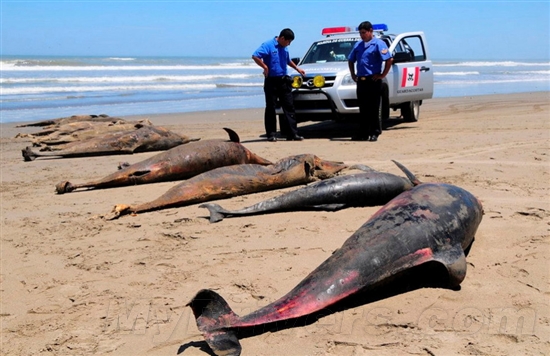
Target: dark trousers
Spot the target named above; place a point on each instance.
(368, 95)
(278, 88)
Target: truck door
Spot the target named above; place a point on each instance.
(412, 80)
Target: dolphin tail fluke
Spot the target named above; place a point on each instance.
(64, 187)
(408, 173)
(214, 317)
(232, 135)
(28, 154)
(216, 212)
(118, 211)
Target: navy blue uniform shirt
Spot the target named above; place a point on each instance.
(274, 56)
(369, 56)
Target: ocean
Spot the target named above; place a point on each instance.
(38, 88)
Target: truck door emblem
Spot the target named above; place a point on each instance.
(410, 76)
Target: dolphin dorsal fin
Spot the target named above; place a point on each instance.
(232, 135)
(408, 173)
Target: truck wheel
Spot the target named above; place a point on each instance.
(410, 111)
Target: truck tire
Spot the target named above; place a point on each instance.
(410, 111)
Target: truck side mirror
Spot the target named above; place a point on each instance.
(401, 57)
(296, 60)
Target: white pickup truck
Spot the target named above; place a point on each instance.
(327, 92)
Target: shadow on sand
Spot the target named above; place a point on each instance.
(338, 130)
(343, 130)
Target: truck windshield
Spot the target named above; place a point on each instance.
(330, 50)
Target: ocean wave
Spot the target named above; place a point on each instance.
(237, 85)
(244, 64)
(7, 66)
(121, 59)
(126, 79)
(456, 73)
(45, 63)
(491, 64)
(537, 72)
(494, 81)
(72, 89)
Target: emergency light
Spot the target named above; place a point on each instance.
(380, 27)
(342, 29)
(377, 27)
(334, 30)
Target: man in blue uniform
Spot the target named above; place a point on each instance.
(273, 57)
(369, 54)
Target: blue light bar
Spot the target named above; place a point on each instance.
(377, 27)
(380, 27)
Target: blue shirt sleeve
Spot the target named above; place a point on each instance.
(385, 54)
(262, 51)
(275, 57)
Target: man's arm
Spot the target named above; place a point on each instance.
(295, 67)
(387, 66)
(261, 63)
(351, 66)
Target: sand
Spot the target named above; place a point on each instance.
(73, 283)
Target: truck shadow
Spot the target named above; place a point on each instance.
(343, 130)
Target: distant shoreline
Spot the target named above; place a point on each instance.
(38, 88)
(247, 56)
(253, 114)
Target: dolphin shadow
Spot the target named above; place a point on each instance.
(407, 281)
(201, 345)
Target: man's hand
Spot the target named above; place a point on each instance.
(261, 63)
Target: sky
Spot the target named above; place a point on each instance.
(465, 30)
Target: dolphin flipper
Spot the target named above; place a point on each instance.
(362, 167)
(329, 207)
(454, 261)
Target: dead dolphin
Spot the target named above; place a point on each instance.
(431, 222)
(226, 182)
(81, 130)
(178, 163)
(352, 190)
(144, 139)
(69, 119)
(76, 126)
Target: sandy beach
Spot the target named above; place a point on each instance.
(73, 283)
